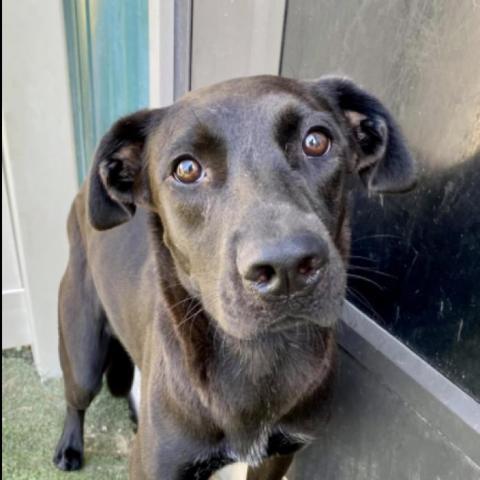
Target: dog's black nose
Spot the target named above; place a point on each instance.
(286, 267)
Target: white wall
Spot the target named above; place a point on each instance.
(235, 39)
(39, 158)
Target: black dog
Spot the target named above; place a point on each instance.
(225, 285)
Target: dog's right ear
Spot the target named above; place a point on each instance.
(116, 183)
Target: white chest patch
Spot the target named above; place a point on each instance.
(257, 451)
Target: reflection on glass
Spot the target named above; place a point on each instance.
(415, 257)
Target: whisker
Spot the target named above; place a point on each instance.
(366, 304)
(372, 270)
(177, 304)
(365, 279)
(191, 307)
(195, 313)
(377, 235)
(360, 257)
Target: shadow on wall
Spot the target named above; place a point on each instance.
(415, 267)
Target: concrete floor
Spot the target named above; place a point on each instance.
(32, 416)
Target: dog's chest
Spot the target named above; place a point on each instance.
(269, 444)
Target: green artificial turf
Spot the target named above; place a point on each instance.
(32, 418)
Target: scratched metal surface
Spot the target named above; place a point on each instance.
(420, 251)
(374, 435)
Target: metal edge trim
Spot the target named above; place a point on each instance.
(444, 405)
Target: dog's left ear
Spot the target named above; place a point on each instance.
(383, 160)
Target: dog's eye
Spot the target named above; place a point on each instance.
(316, 143)
(188, 170)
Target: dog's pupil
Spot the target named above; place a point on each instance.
(188, 171)
(316, 144)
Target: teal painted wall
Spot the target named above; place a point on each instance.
(108, 62)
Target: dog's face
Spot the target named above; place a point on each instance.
(249, 180)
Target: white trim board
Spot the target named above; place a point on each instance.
(15, 320)
(161, 42)
(15, 324)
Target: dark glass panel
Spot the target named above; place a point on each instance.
(419, 253)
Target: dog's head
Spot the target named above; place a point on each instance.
(249, 179)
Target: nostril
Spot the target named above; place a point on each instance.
(309, 265)
(305, 267)
(261, 274)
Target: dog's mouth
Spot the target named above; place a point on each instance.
(295, 319)
(245, 317)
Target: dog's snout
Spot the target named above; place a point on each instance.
(289, 266)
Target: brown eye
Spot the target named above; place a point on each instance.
(188, 171)
(316, 144)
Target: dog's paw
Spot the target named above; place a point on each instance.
(68, 459)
